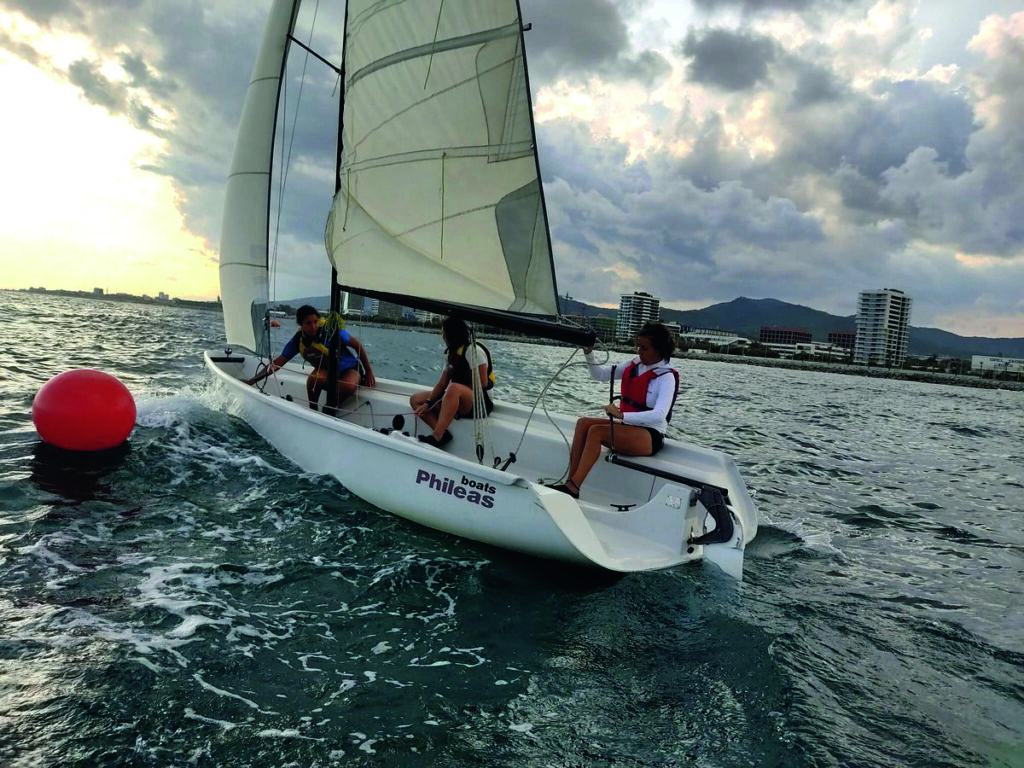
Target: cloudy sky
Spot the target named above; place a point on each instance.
(697, 149)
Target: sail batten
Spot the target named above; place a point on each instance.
(442, 197)
(434, 48)
(484, 150)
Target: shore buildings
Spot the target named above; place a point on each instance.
(773, 334)
(713, 337)
(635, 310)
(996, 365)
(883, 322)
(844, 339)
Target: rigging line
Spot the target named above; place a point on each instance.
(444, 155)
(287, 159)
(430, 59)
(280, 196)
(540, 401)
(315, 55)
(481, 424)
(348, 198)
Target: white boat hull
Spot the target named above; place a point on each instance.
(449, 490)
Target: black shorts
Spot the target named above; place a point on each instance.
(657, 440)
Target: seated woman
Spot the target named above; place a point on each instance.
(649, 386)
(310, 341)
(452, 395)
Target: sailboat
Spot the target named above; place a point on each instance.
(438, 205)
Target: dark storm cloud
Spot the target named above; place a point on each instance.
(211, 61)
(580, 38)
(568, 153)
(649, 217)
(187, 67)
(732, 61)
(975, 206)
(22, 50)
(907, 115)
(97, 88)
(43, 11)
(859, 193)
(814, 85)
(647, 68)
(709, 163)
(143, 77)
(869, 133)
(765, 6)
(819, 122)
(172, 52)
(575, 34)
(117, 98)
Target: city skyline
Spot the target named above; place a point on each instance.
(713, 149)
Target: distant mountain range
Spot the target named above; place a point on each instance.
(747, 316)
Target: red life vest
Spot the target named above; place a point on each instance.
(634, 388)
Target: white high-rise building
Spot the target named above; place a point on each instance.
(634, 311)
(883, 324)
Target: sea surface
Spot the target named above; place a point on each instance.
(198, 600)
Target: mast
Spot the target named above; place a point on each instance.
(331, 399)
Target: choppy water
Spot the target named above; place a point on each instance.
(201, 601)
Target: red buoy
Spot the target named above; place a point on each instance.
(84, 410)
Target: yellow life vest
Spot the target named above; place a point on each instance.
(315, 344)
(490, 367)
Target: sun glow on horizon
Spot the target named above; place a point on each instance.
(80, 211)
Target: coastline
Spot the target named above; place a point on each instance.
(930, 377)
(208, 306)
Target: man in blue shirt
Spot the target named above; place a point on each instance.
(310, 341)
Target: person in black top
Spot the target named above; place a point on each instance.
(452, 395)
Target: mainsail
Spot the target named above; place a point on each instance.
(440, 196)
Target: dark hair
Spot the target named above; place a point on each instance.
(456, 334)
(305, 311)
(660, 339)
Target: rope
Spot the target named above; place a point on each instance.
(286, 158)
(481, 432)
(611, 419)
(441, 236)
(540, 402)
(430, 60)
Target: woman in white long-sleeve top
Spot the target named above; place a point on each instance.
(649, 385)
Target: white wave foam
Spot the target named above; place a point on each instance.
(286, 733)
(190, 714)
(167, 412)
(229, 695)
(812, 535)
